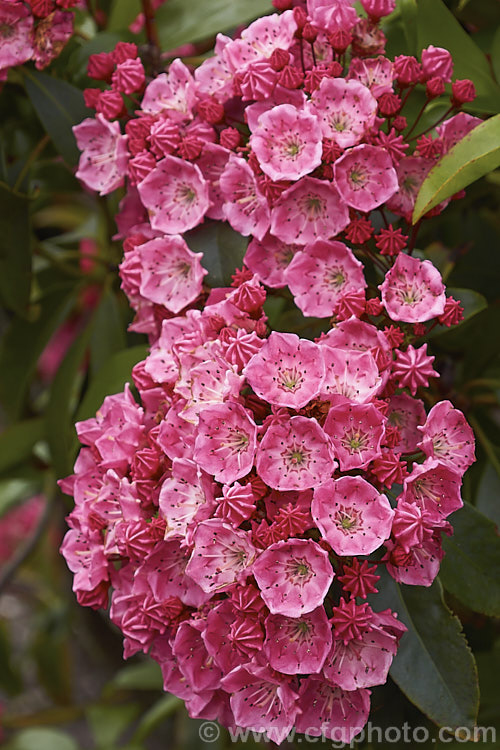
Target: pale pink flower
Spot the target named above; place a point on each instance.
(280, 95)
(345, 110)
(352, 516)
(175, 195)
(349, 375)
(269, 258)
(309, 210)
(411, 172)
(452, 131)
(212, 163)
(287, 143)
(365, 177)
(221, 555)
(321, 274)
(374, 72)
(359, 336)
(226, 441)
(433, 484)
(447, 436)
(16, 25)
(171, 274)
(172, 93)
(270, 32)
(245, 208)
(298, 645)
(293, 576)
(50, 36)
(356, 431)
(286, 371)
(295, 455)
(326, 709)
(103, 162)
(181, 496)
(413, 290)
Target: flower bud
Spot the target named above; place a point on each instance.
(437, 61)
(463, 91)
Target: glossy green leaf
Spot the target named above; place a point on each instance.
(408, 12)
(41, 738)
(434, 666)
(495, 54)
(108, 723)
(223, 250)
(108, 334)
(472, 303)
(145, 676)
(437, 25)
(22, 345)
(471, 158)
(59, 106)
(15, 249)
(17, 441)
(183, 21)
(488, 493)
(159, 711)
(471, 567)
(111, 378)
(123, 12)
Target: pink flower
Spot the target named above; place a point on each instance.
(413, 290)
(171, 275)
(345, 109)
(326, 709)
(452, 131)
(448, 437)
(406, 414)
(103, 163)
(295, 455)
(411, 172)
(309, 210)
(374, 72)
(269, 258)
(352, 516)
(237, 503)
(332, 15)
(225, 442)
(349, 375)
(50, 36)
(437, 61)
(287, 143)
(129, 76)
(298, 645)
(433, 484)
(270, 32)
(16, 24)
(221, 555)
(365, 177)
(413, 368)
(413, 524)
(321, 274)
(172, 92)
(293, 576)
(212, 162)
(193, 659)
(175, 195)
(233, 636)
(420, 566)
(286, 371)
(356, 431)
(245, 208)
(181, 496)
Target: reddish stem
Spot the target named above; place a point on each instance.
(150, 24)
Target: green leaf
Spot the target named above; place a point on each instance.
(223, 250)
(183, 21)
(22, 345)
(108, 723)
(471, 568)
(15, 249)
(488, 493)
(434, 666)
(408, 11)
(159, 711)
(437, 25)
(17, 441)
(123, 12)
(15, 491)
(10, 677)
(108, 334)
(495, 54)
(41, 738)
(471, 158)
(472, 303)
(145, 676)
(111, 378)
(59, 106)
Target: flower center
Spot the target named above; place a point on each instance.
(6, 31)
(186, 194)
(347, 519)
(358, 177)
(236, 440)
(354, 441)
(290, 380)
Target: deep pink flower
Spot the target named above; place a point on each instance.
(420, 566)
(321, 274)
(411, 172)
(172, 93)
(16, 24)
(181, 496)
(413, 290)
(295, 455)
(237, 503)
(435, 485)
(413, 368)
(129, 76)
(175, 195)
(437, 61)
(359, 578)
(352, 516)
(345, 110)
(293, 576)
(103, 163)
(298, 645)
(193, 659)
(377, 9)
(338, 714)
(286, 371)
(225, 442)
(245, 208)
(447, 436)
(287, 142)
(309, 210)
(365, 177)
(269, 258)
(332, 15)
(233, 636)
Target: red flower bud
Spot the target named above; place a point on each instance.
(101, 66)
(463, 91)
(230, 138)
(279, 58)
(434, 87)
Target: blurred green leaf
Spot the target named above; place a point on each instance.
(437, 25)
(108, 723)
(24, 341)
(59, 106)
(15, 249)
(434, 666)
(111, 378)
(223, 250)
(159, 711)
(41, 739)
(17, 441)
(472, 302)
(488, 494)
(408, 11)
(108, 334)
(10, 677)
(495, 54)
(123, 12)
(471, 158)
(145, 676)
(15, 491)
(183, 21)
(471, 567)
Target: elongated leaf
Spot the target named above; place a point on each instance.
(111, 378)
(182, 21)
(434, 666)
(437, 25)
(145, 676)
(41, 738)
(488, 493)
(472, 303)
(408, 11)
(17, 441)
(15, 249)
(59, 106)
(108, 723)
(471, 568)
(223, 250)
(471, 158)
(108, 335)
(123, 12)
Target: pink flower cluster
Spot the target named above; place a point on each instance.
(238, 511)
(239, 507)
(33, 30)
